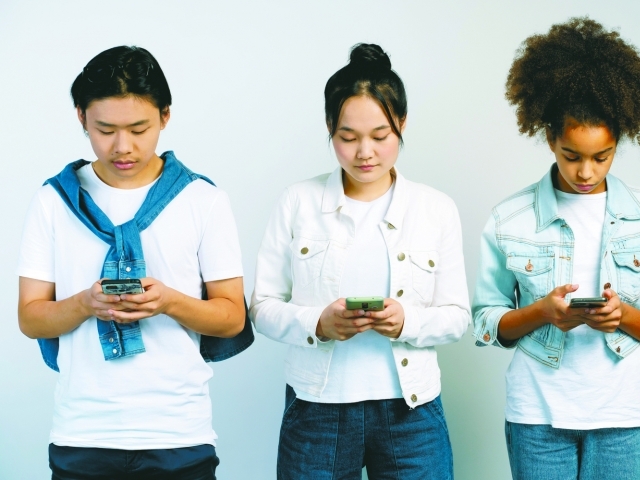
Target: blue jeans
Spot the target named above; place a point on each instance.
(541, 452)
(189, 463)
(322, 441)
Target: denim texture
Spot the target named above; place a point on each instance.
(189, 463)
(541, 452)
(125, 258)
(527, 250)
(322, 441)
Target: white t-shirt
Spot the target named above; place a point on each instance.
(155, 399)
(592, 388)
(363, 367)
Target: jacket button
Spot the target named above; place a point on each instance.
(486, 337)
(414, 398)
(310, 340)
(401, 256)
(636, 262)
(304, 250)
(400, 292)
(618, 350)
(111, 340)
(128, 269)
(390, 227)
(432, 263)
(404, 362)
(607, 286)
(115, 350)
(529, 266)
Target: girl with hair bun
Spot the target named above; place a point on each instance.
(573, 384)
(363, 385)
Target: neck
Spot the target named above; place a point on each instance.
(366, 192)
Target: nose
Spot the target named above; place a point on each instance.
(365, 150)
(585, 171)
(122, 143)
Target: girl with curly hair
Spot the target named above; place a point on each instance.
(363, 383)
(574, 381)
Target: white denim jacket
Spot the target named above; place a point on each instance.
(302, 258)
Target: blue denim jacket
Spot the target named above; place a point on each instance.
(125, 258)
(527, 250)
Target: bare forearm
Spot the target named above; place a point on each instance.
(217, 317)
(50, 318)
(517, 323)
(630, 322)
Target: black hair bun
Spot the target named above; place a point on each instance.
(369, 55)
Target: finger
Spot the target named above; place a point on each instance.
(386, 313)
(350, 313)
(136, 298)
(147, 282)
(127, 317)
(361, 321)
(563, 290)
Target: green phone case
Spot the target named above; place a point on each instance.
(365, 303)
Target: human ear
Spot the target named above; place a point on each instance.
(82, 118)
(550, 140)
(164, 117)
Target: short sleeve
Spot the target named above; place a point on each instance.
(219, 253)
(37, 250)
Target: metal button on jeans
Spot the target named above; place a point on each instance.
(401, 256)
(404, 362)
(310, 340)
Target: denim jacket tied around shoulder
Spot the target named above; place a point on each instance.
(527, 250)
(125, 258)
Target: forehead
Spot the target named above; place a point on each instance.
(121, 110)
(587, 138)
(363, 113)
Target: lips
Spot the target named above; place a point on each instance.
(124, 165)
(584, 188)
(366, 168)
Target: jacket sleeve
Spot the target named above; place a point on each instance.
(270, 311)
(448, 317)
(495, 290)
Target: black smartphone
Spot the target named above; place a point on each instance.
(590, 302)
(118, 287)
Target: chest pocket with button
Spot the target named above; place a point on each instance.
(423, 272)
(533, 273)
(306, 260)
(628, 272)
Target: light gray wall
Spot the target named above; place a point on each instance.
(247, 80)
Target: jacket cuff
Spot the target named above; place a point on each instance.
(411, 327)
(310, 320)
(486, 329)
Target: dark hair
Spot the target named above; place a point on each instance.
(367, 74)
(577, 70)
(118, 72)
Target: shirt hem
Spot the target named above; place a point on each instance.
(120, 444)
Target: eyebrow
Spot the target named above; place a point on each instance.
(349, 129)
(110, 125)
(578, 153)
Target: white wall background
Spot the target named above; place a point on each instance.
(247, 80)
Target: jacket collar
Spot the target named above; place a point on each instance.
(621, 203)
(334, 198)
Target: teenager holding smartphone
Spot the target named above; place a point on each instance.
(132, 399)
(363, 387)
(573, 384)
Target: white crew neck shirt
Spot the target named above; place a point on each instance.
(363, 367)
(159, 398)
(592, 388)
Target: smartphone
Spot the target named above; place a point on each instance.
(592, 302)
(365, 303)
(118, 287)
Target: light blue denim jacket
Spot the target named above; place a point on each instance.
(125, 258)
(527, 250)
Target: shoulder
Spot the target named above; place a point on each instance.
(521, 201)
(309, 186)
(429, 198)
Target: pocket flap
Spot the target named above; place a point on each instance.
(627, 259)
(529, 265)
(428, 261)
(304, 248)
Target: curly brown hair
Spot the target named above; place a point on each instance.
(577, 70)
